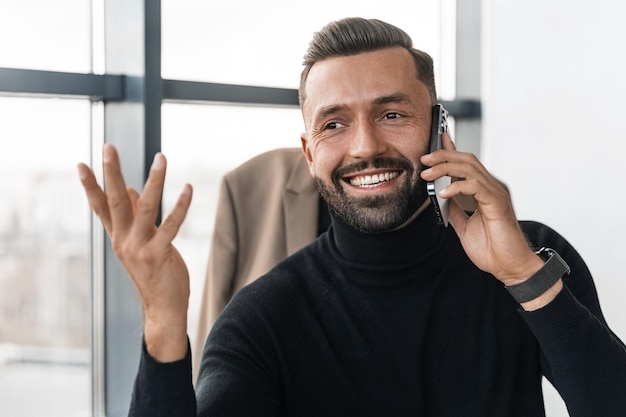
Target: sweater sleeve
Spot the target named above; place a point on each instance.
(582, 357)
(585, 360)
(163, 389)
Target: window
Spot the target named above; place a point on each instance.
(76, 74)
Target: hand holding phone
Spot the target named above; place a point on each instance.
(438, 127)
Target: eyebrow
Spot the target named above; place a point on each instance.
(325, 111)
(392, 98)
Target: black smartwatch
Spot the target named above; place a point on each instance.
(554, 269)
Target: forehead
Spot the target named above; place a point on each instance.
(363, 78)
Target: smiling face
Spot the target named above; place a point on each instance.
(367, 120)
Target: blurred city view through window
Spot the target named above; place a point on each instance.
(44, 259)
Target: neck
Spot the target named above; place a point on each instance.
(415, 238)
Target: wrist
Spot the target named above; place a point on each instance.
(529, 267)
(166, 342)
(545, 281)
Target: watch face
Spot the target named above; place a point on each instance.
(545, 253)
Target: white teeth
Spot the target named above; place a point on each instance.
(372, 180)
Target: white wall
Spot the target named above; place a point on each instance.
(554, 84)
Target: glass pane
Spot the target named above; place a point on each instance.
(44, 259)
(46, 35)
(202, 143)
(215, 41)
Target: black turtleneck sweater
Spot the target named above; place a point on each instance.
(395, 324)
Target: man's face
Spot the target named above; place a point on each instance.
(367, 120)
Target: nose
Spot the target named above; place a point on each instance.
(366, 142)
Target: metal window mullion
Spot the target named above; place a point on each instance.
(25, 82)
(133, 125)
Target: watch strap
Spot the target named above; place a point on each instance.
(554, 269)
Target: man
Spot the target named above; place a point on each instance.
(387, 313)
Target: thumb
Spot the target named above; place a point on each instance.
(457, 217)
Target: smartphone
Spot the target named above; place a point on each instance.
(438, 127)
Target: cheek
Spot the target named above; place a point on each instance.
(325, 159)
(414, 150)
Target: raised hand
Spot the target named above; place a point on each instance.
(145, 250)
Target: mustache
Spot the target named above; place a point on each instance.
(400, 164)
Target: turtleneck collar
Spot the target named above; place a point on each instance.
(404, 246)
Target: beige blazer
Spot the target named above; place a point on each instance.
(267, 210)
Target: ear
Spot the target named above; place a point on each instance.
(307, 152)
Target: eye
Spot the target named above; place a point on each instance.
(333, 125)
(392, 115)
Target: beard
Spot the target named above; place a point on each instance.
(381, 213)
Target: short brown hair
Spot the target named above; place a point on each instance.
(355, 35)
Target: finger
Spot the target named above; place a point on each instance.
(149, 202)
(95, 195)
(454, 164)
(133, 196)
(171, 224)
(119, 205)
